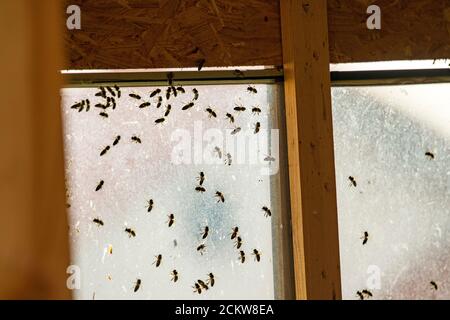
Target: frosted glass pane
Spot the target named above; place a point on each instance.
(394, 142)
(162, 162)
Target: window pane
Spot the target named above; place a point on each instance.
(394, 143)
(162, 162)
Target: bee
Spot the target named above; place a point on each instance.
(230, 117)
(135, 96)
(202, 284)
(201, 248)
(104, 151)
(234, 233)
(257, 255)
(101, 93)
(158, 260)
(430, 155)
(256, 110)
(144, 105)
(218, 152)
(211, 112)
(188, 106)
(170, 78)
(365, 237)
(136, 139)
(269, 158)
(181, 90)
(174, 91)
(76, 105)
(228, 160)
(116, 140)
(205, 232)
(118, 90)
(137, 285)
(160, 120)
(200, 64)
(211, 281)
(267, 212)
(155, 92)
(220, 196)
(101, 106)
(195, 91)
(149, 205)
(98, 221)
(239, 108)
(238, 242)
(434, 285)
(88, 105)
(197, 288)
(257, 127)
(252, 89)
(111, 100)
(169, 89)
(171, 219)
(367, 292)
(159, 102)
(100, 185)
(360, 295)
(201, 178)
(131, 232)
(111, 91)
(104, 114)
(200, 189)
(242, 256)
(352, 181)
(174, 275)
(168, 108)
(81, 108)
(236, 130)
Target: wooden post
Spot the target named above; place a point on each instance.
(34, 251)
(310, 148)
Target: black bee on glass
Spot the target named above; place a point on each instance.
(113, 103)
(88, 105)
(256, 110)
(203, 284)
(144, 105)
(131, 232)
(149, 205)
(188, 106)
(267, 212)
(171, 219)
(360, 295)
(201, 248)
(104, 114)
(228, 160)
(257, 127)
(111, 91)
(174, 91)
(434, 285)
(155, 92)
(117, 88)
(102, 106)
(201, 178)
(181, 90)
(168, 108)
(159, 102)
(211, 112)
(170, 78)
(160, 120)
(219, 196)
(352, 181)
(211, 281)
(238, 242)
(101, 93)
(205, 233)
(430, 155)
(367, 293)
(76, 105)
(137, 285)
(174, 275)
(236, 130)
(197, 288)
(200, 189)
(136, 139)
(234, 233)
(257, 255)
(195, 91)
(116, 140)
(218, 152)
(100, 185)
(98, 221)
(365, 237)
(230, 117)
(158, 260)
(135, 96)
(105, 150)
(252, 89)
(239, 108)
(242, 256)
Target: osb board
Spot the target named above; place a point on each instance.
(180, 33)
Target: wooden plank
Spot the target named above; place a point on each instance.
(170, 34)
(310, 149)
(34, 250)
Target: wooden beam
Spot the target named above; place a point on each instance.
(171, 34)
(310, 149)
(34, 251)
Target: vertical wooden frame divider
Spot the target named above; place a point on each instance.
(310, 148)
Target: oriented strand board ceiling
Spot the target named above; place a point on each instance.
(181, 33)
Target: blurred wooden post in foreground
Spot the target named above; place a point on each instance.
(34, 250)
